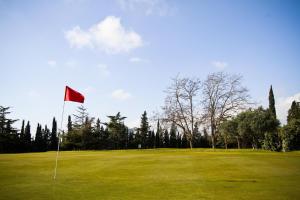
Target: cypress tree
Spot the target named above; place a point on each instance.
(144, 129)
(157, 136)
(27, 138)
(38, 138)
(22, 137)
(53, 138)
(70, 125)
(46, 138)
(272, 102)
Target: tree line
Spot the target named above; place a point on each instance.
(216, 112)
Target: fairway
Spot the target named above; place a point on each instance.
(151, 174)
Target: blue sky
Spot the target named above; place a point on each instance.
(121, 54)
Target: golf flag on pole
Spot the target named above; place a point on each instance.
(72, 95)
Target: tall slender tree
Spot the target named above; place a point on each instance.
(27, 138)
(46, 138)
(272, 102)
(157, 135)
(38, 140)
(144, 129)
(53, 138)
(70, 125)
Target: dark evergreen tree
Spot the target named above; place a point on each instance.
(272, 102)
(184, 141)
(173, 137)
(131, 140)
(196, 136)
(89, 138)
(294, 112)
(138, 138)
(3, 119)
(22, 137)
(205, 139)
(39, 142)
(9, 139)
(53, 138)
(290, 133)
(46, 138)
(5, 122)
(98, 133)
(70, 125)
(152, 140)
(105, 139)
(144, 129)
(117, 131)
(178, 140)
(158, 136)
(166, 139)
(27, 138)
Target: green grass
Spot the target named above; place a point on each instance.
(151, 174)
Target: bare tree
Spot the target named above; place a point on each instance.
(223, 96)
(180, 105)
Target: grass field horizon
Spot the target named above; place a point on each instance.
(152, 174)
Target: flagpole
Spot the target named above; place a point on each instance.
(58, 142)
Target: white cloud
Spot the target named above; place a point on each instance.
(120, 95)
(283, 105)
(219, 64)
(52, 63)
(137, 60)
(104, 72)
(108, 35)
(148, 7)
(78, 38)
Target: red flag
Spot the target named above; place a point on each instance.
(72, 95)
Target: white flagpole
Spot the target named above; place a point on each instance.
(58, 142)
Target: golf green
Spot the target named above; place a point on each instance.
(151, 174)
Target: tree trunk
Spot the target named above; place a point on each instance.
(213, 141)
(225, 140)
(191, 144)
(238, 142)
(213, 136)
